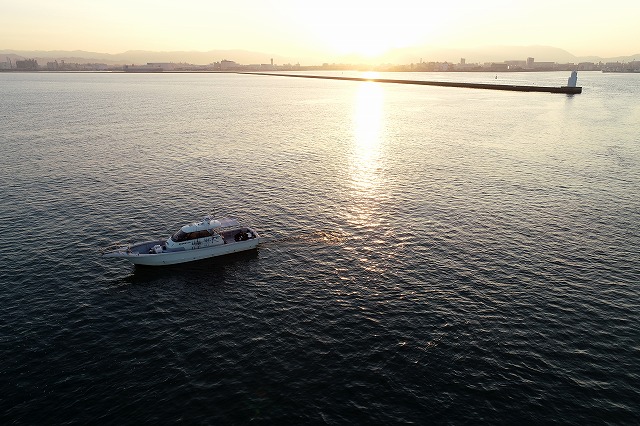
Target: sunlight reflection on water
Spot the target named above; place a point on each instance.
(366, 158)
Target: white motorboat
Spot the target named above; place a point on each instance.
(200, 240)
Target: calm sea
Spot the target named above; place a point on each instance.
(433, 255)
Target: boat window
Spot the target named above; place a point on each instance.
(179, 236)
(186, 236)
(202, 234)
(198, 234)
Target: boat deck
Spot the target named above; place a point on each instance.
(237, 234)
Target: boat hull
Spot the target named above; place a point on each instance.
(172, 258)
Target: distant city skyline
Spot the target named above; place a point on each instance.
(484, 56)
(322, 31)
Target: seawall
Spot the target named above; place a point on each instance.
(508, 87)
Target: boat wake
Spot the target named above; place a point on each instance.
(331, 238)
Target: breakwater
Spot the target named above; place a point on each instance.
(487, 86)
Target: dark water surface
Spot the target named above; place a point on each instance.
(433, 254)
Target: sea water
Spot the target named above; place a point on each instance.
(431, 254)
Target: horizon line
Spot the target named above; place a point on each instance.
(366, 58)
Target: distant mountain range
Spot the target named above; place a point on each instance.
(396, 56)
(139, 57)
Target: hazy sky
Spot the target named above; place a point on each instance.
(316, 28)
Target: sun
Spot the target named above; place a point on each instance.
(365, 28)
(360, 40)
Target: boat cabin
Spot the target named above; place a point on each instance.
(196, 235)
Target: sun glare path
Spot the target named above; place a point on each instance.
(366, 151)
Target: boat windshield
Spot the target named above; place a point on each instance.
(185, 236)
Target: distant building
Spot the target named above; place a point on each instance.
(226, 65)
(633, 66)
(498, 66)
(142, 68)
(587, 66)
(98, 67)
(543, 65)
(6, 65)
(516, 65)
(569, 66)
(27, 64)
(164, 66)
(530, 62)
(463, 66)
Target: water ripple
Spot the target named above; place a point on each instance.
(428, 257)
